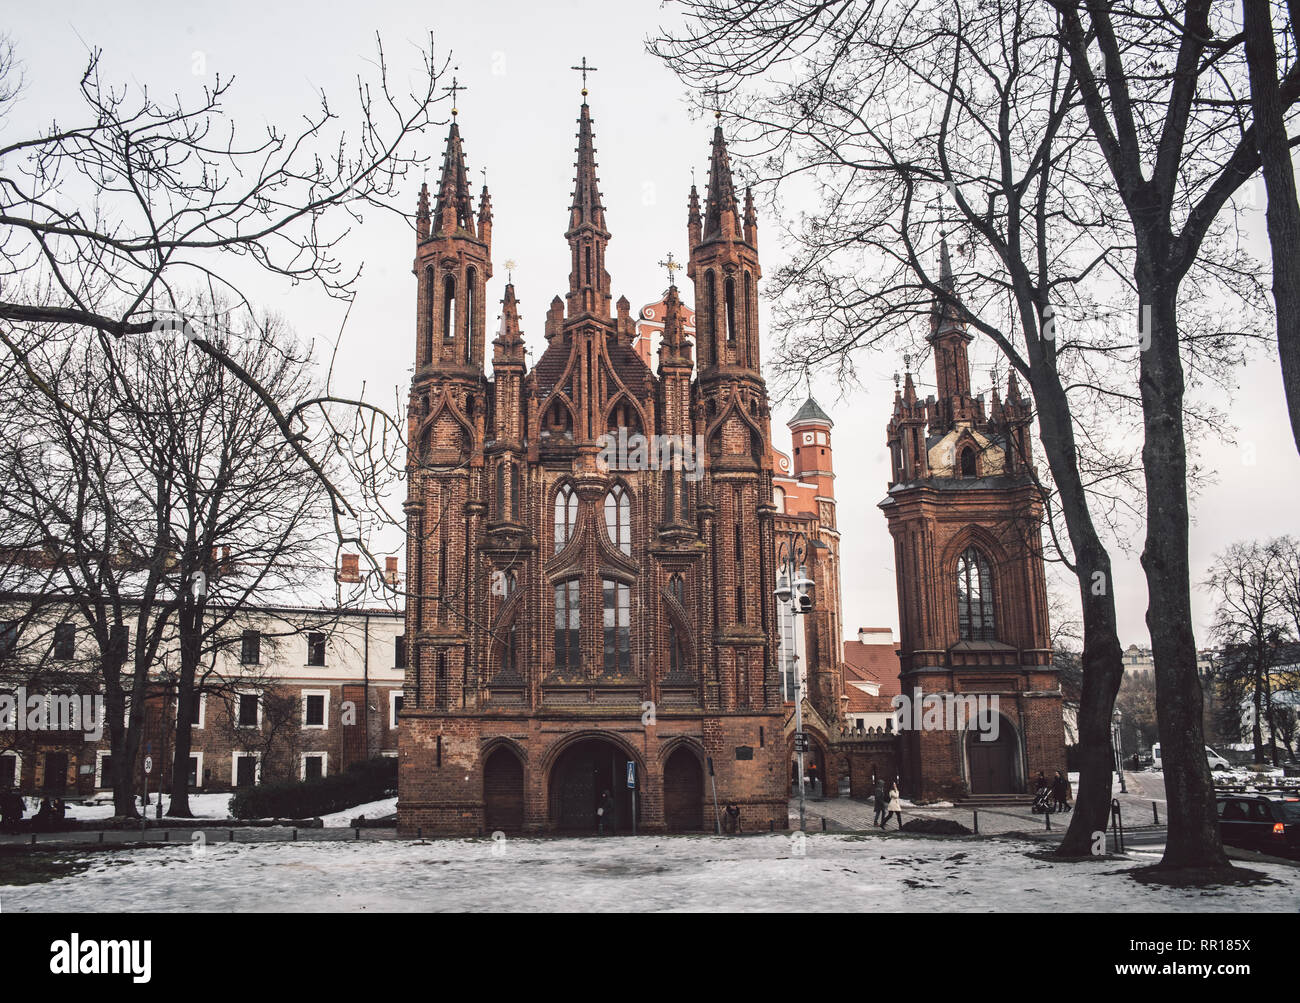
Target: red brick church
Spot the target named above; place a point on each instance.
(574, 621)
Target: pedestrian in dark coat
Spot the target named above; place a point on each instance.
(1059, 790)
(605, 813)
(881, 800)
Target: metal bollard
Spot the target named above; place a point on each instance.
(977, 822)
(295, 835)
(358, 833)
(232, 836)
(167, 835)
(1155, 812)
(101, 835)
(33, 839)
(823, 823)
(1047, 817)
(419, 832)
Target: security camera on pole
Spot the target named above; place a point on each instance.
(798, 591)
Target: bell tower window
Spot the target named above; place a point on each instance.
(449, 309)
(975, 597)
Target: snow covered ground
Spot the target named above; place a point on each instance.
(372, 809)
(209, 806)
(647, 873)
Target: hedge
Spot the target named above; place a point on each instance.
(369, 780)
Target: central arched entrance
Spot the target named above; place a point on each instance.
(582, 773)
(993, 763)
(503, 792)
(683, 792)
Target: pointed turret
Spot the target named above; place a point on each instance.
(949, 337)
(509, 342)
(454, 209)
(721, 220)
(422, 214)
(751, 220)
(674, 346)
(693, 219)
(587, 236)
(485, 218)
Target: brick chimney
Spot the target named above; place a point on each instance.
(390, 570)
(351, 570)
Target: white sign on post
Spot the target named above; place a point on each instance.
(631, 774)
(148, 764)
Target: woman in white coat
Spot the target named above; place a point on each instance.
(894, 807)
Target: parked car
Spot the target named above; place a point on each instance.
(1260, 822)
(1216, 761)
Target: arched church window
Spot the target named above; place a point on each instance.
(968, 462)
(618, 518)
(501, 491)
(677, 588)
(431, 299)
(470, 282)
(730, 293)
(566, 516)
(514, 491)
(975, 596)
(557, 423)
(449, 309)
(778, 498)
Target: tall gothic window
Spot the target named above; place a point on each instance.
(566, 516)
(431, 299)
(968, 462)
(730, 293)
(471, 280)
(677, 588)
(501, 491)
(618, 519)
(568, 624)
(514, 492)
(975, 597)
(449, 309)
(618, 631)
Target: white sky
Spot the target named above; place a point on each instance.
(518, 119)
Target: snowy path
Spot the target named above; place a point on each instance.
(758, 873)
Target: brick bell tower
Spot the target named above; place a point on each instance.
(732, 412)
(966, 519)
(446, 497)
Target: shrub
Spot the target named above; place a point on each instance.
(368, 780)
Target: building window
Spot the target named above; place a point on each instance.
(315, 648)
(618, 519)
(974, 597)
(399, 652)
(566, 516)
(249, 711)
(9, 770)
(103, 769)
(314, 765)
(568, 623)
(9, 631)
(676, 657)
(471, 280)
(501, 491)
(196, 770)
(250, 648)
(245, 768)
(677, 588)
(968, 462)
(730, 293)
(449, 309)
(198, 709)
(514, 492)
(618, 633)
(119, 641)
(315, 708)
(65, 640)
(395, 702)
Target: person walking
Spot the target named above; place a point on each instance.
(881, 800)
(605, 813)
(894, 807)
(1059, 790)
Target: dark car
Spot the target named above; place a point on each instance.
(1260, 822)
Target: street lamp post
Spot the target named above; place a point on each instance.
(798, 592)
(1118, 750)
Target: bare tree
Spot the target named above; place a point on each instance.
(1165, 96)
(908, 122)
(1283, 214)
(110, 222)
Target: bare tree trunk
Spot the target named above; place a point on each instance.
(191, 628)
(1103, 657)
(1283, 213)
(1193, 837)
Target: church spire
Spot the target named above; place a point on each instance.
(454, 209)
(587, 236)
(720, 213)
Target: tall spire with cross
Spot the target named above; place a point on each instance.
(721, 216)
(454, 209)
(587, 236)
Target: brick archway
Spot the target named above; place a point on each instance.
(580, 771)
(503, 791)
(683, 791)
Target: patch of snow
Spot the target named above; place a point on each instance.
(372, 809)
(763, 873)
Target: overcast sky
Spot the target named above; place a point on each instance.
(518, 120)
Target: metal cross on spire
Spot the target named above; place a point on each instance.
(672, 267)
(584, 69)
(455, 86)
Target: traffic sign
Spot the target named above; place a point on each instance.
(631, 773)
(148, 764)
